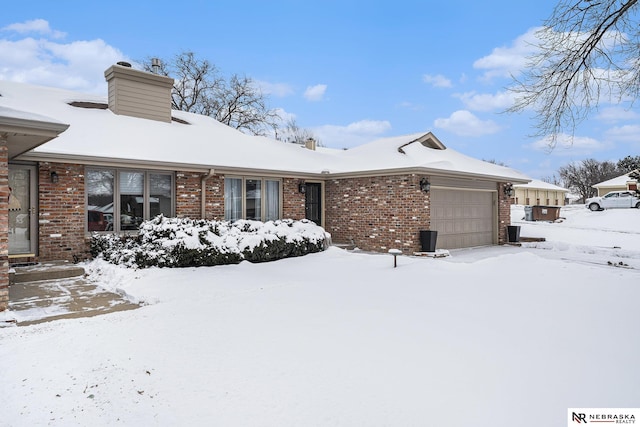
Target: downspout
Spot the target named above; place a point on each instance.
(203, 192)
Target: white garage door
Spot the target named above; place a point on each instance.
(462, 218)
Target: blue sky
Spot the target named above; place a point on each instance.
(350, 71)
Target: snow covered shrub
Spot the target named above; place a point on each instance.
(183, 242)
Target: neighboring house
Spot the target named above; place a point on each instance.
(539, 192)
(620, 183)
(130, 157)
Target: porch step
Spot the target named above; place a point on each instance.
(348, 246)
(44, 271)
(46, 300)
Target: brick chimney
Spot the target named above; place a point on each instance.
(139, 93)
(310, 144)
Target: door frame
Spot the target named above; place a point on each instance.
(320, 186)
(32, 210)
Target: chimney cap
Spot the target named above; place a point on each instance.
(124, 64)
(155, 65)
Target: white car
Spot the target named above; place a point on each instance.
(614, 199)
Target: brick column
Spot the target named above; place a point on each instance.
(188, 193)
(61, 207)
(504, 213)
(215, 198)
(293, 202)
(4, 225)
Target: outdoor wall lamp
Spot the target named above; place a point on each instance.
(54, 177)
(508, 190)
(302, 187)
(425, 185)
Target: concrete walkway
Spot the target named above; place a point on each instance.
(57, 296)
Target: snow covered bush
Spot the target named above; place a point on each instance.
(183, 242)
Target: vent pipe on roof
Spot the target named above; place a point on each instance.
(155, 65)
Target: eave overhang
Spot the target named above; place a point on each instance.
(23, 135)
(227, 170)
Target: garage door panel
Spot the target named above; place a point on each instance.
(463, 218)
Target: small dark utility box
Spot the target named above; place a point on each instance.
(546, 213)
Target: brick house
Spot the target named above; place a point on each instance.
(129, 157)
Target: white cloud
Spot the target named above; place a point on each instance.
(410, 106)
(566, 145)
(279, 90)
(627, 133)
(465, 123)
(285, 115)
(487, 101)
(437, 81)
(37, 26)
(77, 65)
(315, 93)
(354, 134)
(616, 114)
(508, 61)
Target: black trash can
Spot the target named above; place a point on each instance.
(513, 232)
(428, 240)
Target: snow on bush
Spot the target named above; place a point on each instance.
(184, 242)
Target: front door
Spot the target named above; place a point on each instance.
(313, 202)
(22, 211)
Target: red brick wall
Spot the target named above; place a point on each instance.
(293, 201)
(189, 192)
(215, 198)
(4, 225)
(188, 189)
(377, 213)
(62, 212)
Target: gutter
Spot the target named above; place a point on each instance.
(203, 192)
(26, 126)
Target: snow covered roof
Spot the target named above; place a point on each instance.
(537, 184)
(420, 152)
(619, 181)
(196, 142)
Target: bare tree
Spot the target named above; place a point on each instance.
(297, 135)
(199, 88)
(495, 162)
(581, 176)
(241, 104)
(588, 50)
(553, 180)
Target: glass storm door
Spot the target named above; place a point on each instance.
(22, 211)
(313, 200)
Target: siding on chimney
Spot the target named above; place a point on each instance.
(139, 94)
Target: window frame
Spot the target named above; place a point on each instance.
(263, 200)
(146, 190)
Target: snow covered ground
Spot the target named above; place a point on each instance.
(497, 336)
